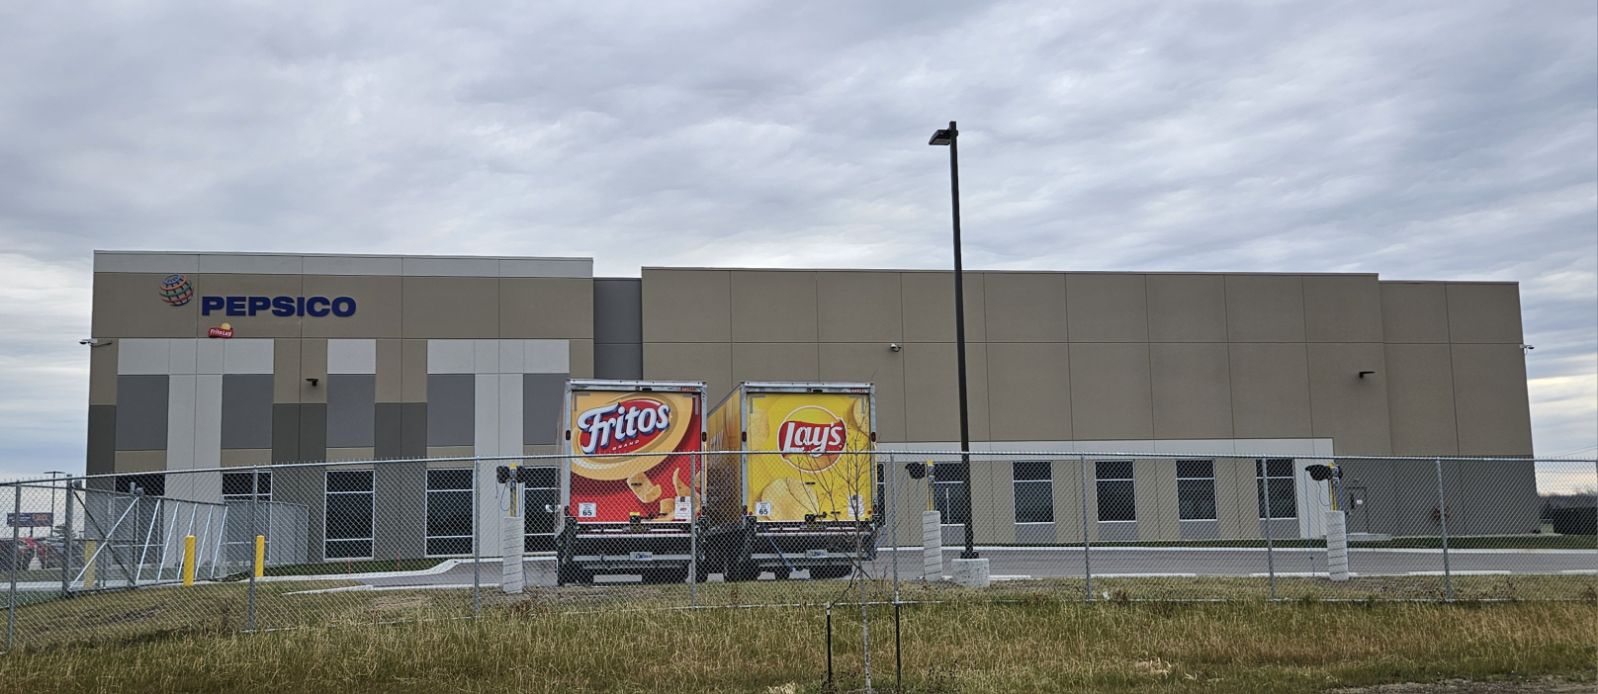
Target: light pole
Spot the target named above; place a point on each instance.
(949, 137)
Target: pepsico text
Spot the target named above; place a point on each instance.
(284, 306)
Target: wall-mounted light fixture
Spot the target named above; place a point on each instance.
(1363, 374)
(894, 347)
(312, 381)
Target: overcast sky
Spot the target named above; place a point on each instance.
(1446, 140)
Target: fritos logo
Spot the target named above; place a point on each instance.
(811, 438)
(622, 427)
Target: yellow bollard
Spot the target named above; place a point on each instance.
(260, 556)
(188, 560)
(88, 571)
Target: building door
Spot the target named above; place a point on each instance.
(541, 505)
(1359, 518)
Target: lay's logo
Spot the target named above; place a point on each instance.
(812, 439)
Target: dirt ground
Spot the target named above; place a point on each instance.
(1464, 687)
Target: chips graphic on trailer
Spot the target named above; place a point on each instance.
(631, 448)
(806, 451)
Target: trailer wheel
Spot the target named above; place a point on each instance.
(741, 571)
(781, 574)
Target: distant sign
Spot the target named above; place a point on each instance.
(30, 520)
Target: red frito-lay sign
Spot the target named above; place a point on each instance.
(224, 330)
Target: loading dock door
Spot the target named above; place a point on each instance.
(541, 505)
(1359, 519)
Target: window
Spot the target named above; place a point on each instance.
(236, 486)
(1274, 482)
(1117, 500)
(449, 512)
(879, 502)
(950, 495)
(1195, 489)
(1034, 492)
(349, 509)
(540, 505)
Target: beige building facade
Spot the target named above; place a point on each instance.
(373, 357)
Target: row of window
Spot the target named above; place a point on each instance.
(1116, 489)
(350, 504)
(350, 509)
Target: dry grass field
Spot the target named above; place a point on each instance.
(1016, 638)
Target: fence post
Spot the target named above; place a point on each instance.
(1087, 541)
(1442, 519)
(477, 552)
(66, 546)
(891, 481)
(255, 558)
(11, 601)
(1262, 476)
(696, 464)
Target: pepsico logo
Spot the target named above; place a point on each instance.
(176, 290)
(811, 438)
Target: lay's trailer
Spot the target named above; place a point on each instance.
(628, 490)
(795, 485)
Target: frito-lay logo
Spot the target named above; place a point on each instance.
(224, 331)
(622, 427)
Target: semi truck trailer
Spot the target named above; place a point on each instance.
(792, 484)
(629, 480)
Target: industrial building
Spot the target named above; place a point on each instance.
(233, 360)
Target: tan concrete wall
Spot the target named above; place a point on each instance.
(1114, 356)
(1052, 356)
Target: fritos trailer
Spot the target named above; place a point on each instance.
(797, 489)
(627, 491)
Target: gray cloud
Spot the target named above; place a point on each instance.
(1453, 140)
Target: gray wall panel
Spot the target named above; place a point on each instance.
(1118, 532)
(101, 450)
(451, 409)
(388, 430)
(618, 311)
(247, 411)
(313, 432)
(542, 397)
(142, 407)
(351, 410)
(618, 361)
(1199, 530)
(413, 429)
(285, 432)
(399, 525)
(1034, 534)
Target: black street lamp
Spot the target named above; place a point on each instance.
(950, 137)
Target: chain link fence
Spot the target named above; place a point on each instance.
(373, 542)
